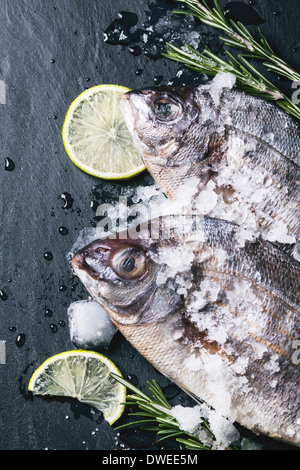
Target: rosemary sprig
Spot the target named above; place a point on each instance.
(248, 77)
(155, 415)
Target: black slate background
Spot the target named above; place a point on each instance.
(50, 51)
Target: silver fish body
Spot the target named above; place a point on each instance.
(218, 318)
(246, 148)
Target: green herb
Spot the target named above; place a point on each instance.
(155, 415)
(248, 77)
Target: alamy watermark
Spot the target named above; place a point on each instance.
(2, 92)
(296, 354)
(143, 220)
(2, 352)
(296, 94)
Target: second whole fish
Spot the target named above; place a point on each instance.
(240, 152)
(219, 319)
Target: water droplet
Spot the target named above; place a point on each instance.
(48, 312)
(135, 50)
(152, 51)
(9, 164)
(139, 71)
(20, 341)
(133, 379)
(3, 295)
(63, 288)
(12, 328)
(63, 230)
(53, 328)
(52, 61)
(276, 13)
(158, 79)
(94, 205)
(48, 256)
(68, 200)
(62, 323)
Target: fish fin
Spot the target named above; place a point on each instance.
(287, 248)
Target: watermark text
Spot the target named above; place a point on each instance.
(296, 354)
(157, 222)
(2, 352)
(2, 92)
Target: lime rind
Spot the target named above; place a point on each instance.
(96, 138)
(85, 376)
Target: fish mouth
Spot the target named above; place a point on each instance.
(80, 265)
(125, 101)
(129, 112)
(128, 108)
(91, 257)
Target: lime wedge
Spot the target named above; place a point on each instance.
(96, 137)
(84, 375)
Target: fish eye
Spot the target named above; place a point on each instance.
(129, 263)
(165, 108)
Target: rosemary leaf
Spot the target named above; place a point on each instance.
(191, 444)
(158, 394)
(248, 77)
(170, 436)
(134, 423)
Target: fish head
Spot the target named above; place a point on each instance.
(157, 118)
(121, 276)
(169, 128)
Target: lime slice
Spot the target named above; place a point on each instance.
(96, 137)
(84, 375)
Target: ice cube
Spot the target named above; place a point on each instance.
(90, 326)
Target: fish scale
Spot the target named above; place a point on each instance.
(266, 122)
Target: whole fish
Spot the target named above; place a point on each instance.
(218, 318)
(238, 150)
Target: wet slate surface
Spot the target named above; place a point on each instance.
(50, 52)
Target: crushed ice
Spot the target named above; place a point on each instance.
(190, 420)
(220, 81)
